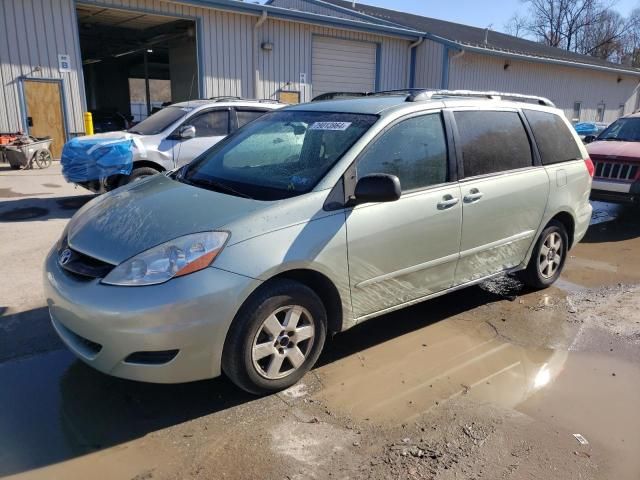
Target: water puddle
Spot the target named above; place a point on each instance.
(597, 396)
(400, 379)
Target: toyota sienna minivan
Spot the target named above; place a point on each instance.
(310, 220)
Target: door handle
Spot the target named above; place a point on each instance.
(473, 196)
(447, 201)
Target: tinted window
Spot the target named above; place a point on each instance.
(279, 155)
(414, 150)
(211, 124)
(492, 142)
(246, 116)
(160, 120)
(553, 137)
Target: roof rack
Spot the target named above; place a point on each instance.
(225, 98)
(399, 91)
(241, 99)
(429, 94)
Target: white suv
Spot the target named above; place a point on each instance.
(177, 134)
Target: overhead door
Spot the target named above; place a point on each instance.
(343, 66)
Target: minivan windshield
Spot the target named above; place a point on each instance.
(623, 130)
(279, 155)
(160, 120)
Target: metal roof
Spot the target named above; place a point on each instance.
(462, 36)
(380, 27)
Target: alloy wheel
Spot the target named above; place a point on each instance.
(283, 342)
(550, 256)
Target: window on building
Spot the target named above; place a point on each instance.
(414, 150)
(600, 112)
(492, 142)
(577, 110)
(214, 123)
(555, 142)
(621, 110)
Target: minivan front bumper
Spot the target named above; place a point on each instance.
(168, 333)
(616, 191)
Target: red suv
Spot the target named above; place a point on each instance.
(616, 156)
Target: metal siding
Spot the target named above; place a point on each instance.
(33, 33)
(429, 64)
(563, 85)
(292, 55)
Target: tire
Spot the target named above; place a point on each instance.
(542, 270)
(138, 174)
(261, 360)
(43, 159)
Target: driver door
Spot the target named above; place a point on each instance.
(211, 127)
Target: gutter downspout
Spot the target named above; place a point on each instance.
(446, 61)
(256, 70)
(412, 61)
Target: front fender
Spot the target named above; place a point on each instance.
(319, 245)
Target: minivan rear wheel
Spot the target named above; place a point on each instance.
(276, 337)
(548, 257)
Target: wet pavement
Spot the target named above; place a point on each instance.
(565, 359)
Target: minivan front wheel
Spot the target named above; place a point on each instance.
(548, 257)
(276, 337)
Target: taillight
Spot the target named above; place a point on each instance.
(590, 168)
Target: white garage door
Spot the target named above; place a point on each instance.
(343, 66)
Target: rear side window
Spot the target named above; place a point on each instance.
(553, 137)
(492, 142)
(246, 116)
(414, 150)
(214, 123)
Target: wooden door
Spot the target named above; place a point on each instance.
(44, 112)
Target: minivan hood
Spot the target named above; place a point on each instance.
(615, 149)
(120, 224)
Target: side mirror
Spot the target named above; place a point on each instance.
(589, 138)
(186, 132)
(378, 187)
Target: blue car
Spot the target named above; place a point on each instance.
(589, 128)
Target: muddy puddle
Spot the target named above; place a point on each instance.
(399, 380)
(609, 252)
(502, 356)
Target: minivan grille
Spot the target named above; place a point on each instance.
(616, 171)
(83, 266)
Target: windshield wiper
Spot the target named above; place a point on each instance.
(214, 185)
(135, 131)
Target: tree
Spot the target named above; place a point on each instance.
(516, 26)
(590, 27)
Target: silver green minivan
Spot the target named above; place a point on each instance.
(309, 221)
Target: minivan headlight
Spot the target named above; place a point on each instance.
(175, 258)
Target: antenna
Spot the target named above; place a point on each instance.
(193, 79)
(486, 33)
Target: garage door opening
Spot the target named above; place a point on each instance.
(134, 63)
(340, 65)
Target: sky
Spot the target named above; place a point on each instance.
(479, 13)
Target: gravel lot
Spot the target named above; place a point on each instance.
(490, 382)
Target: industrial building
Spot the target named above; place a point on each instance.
(61, 58)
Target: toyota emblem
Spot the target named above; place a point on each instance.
(65, 256)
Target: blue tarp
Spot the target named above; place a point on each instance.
(89, 158)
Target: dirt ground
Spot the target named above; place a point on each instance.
(490, 382)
